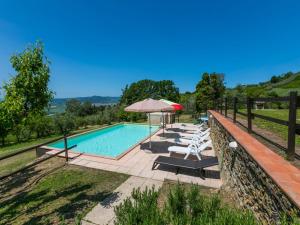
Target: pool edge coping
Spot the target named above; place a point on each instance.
(48, 148)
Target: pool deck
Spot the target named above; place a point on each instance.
(138, 162)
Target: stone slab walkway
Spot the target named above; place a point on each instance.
(103, 213)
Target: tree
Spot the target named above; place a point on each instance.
(209, 90)
(188, 101)
(64, 123)
(274, 79)
(143, 89)
(5, 122)
(73, 106)
(87, 108)
(42, 125)
(27, 92)
(76, 108)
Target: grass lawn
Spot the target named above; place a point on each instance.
(278, 129)
(61, 197)
(16, 162)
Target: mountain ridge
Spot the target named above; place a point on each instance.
(93, 99)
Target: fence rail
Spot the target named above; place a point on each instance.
(34, 163)
(28, 149)
(293, 128)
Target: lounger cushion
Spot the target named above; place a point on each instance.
(186, 163)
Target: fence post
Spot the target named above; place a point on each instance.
(66, 148)
(221, 105)
(249, 115)
(226, 107)
(292, 125)
(234, 108)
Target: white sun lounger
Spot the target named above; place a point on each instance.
(194, 139)
(192, 127)
(198, 134)
(192, 149)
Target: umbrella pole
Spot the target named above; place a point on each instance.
(163, 120)
(149, 130)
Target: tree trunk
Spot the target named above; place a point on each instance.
(2, 141)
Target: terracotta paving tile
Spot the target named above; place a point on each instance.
(283, 173)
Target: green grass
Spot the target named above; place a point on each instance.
(295, 83)
(285, 91)
(16, 162)
(19, 146)
(62, 197)
(278, 129)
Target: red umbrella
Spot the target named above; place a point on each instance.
(175, 105)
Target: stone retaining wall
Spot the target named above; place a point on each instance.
(253, 187)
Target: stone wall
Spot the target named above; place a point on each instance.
(252, 186)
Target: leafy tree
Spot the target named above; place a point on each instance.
(42, 125)
(22, 131)
(5, 123)
(76, 108)
(274, 79)
(87, 108)
(188, 100)
(27, 92)
(209, 90)
(143, 89)
(64, 123)
(73, 106)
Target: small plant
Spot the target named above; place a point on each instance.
(141, 209)
(184, 206)
(290, 220)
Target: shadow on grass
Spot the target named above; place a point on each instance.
(18, 180)
(21, 181)
(67, 203)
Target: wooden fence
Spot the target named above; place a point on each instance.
(293, 101)
(30, 165)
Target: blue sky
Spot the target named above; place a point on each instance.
(97, 47)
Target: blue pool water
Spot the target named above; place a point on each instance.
(110, 142)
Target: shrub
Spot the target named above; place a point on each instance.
(183, 206)
(141, 209)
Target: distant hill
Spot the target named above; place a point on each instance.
(280, 85)
(105, 100)
(58, 105)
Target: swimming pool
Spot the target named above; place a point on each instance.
(108, 142)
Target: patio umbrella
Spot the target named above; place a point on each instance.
(148, 106)
(176, 106)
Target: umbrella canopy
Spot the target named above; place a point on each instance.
(175, 105)
(149, 105)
